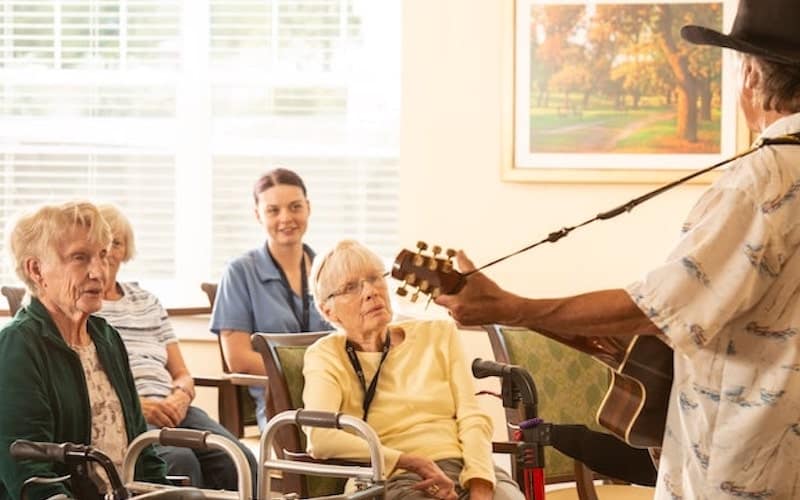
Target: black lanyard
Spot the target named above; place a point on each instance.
(303, 318)
(369, 394)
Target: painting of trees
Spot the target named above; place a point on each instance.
(618, 78)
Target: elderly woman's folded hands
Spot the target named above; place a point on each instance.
(167, 412)
(434, 481)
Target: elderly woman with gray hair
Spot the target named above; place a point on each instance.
(408, 380)
(64, 374)
(164, 384)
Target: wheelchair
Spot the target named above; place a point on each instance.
(368, 479)
(123, 486)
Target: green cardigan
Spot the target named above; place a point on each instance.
(43, 397)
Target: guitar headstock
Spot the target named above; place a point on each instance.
(428, 273)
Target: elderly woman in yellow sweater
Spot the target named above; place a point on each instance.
(408, 380)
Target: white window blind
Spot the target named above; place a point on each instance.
(172, 108)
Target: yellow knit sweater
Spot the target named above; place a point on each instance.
(424, 403)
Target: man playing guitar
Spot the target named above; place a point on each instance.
(727, 300)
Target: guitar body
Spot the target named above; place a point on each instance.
(635, 406)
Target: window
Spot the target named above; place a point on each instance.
(172, 108)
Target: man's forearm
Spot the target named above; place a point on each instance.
(594, 314)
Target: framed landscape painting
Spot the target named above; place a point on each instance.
(608, 91)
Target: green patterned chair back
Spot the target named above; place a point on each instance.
(283, 359)
(570, 384)
(291, 360)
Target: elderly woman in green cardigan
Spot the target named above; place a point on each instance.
(64, 374)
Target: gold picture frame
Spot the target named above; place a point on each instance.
(554, 158)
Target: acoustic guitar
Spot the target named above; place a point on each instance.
(635, 405)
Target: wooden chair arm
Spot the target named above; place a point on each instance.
(210, 381)
(246, 379)
(227, 401)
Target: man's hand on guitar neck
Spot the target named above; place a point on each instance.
(593, 314)
(481, 301)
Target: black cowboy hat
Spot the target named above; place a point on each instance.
(769, 29)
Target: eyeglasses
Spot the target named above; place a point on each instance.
(354, 288)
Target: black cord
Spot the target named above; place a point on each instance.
(630, 205)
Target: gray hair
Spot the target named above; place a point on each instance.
(35, 235)
(778, 86)
(346, 258)
(120, 227)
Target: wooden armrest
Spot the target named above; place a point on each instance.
(210, 381)
(231, 378)
(246, 379)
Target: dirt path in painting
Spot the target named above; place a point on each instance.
(597, 138)
(634, 127)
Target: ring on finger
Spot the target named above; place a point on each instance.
(433, 489)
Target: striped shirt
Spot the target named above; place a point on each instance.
(142, 323)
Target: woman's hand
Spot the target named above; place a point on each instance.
(167, 412)
(480, 489)
(434, 481)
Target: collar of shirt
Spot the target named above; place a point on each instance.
(265, 268)
(782, 126)
(37, 311)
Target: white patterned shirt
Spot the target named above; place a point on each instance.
(728, 299)
(108, 421)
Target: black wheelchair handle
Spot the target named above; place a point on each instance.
(184, 438)
(315, 418)
(482, 368)
(22, 449)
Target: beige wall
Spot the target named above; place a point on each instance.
(451, 193)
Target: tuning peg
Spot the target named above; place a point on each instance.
(421, 245)
(436, 292)
(401, 291)
(450, 253)
(447, 266)
(424, 285)
(411, 278)
(436, 249)
(433, 264)
(418, 260)
(415, 296)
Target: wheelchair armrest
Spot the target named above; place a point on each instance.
(508, 447)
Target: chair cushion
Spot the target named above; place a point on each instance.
(570, 385)
(291, 359)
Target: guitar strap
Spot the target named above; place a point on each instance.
(790, 139)
(302, 317)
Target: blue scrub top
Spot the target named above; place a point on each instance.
(252, 298)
